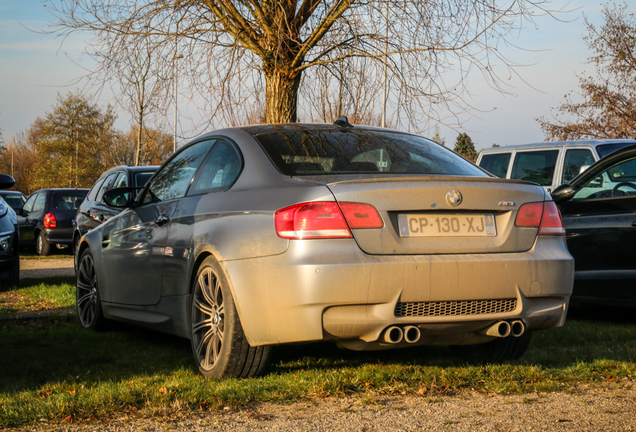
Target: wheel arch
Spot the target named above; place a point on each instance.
(202, 256)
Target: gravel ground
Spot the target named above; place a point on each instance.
(34, 268)
(586, 410)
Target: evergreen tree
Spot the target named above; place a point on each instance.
(465, 147)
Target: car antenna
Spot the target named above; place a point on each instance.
(343, 121)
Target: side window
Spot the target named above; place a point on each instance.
(219, 170)
(40, 201)
(574, 160)
(108, 185)
(616, 181)
(535, 166)
(122, 181)
(173, 179)
(28, 206)
(92, 194)
(496, 164)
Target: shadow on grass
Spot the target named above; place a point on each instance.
(45, 351)
(56, 349)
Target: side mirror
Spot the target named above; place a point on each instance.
(563, 193)
(6, 181)
(121, 197)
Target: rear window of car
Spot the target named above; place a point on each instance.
(605, 149)
(302, 152)
(68, 200)
(535, 166)
(496, 164)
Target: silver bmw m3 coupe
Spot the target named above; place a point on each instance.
(256, 236)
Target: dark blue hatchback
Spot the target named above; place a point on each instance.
(46, 219)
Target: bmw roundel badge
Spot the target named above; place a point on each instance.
(453, 198)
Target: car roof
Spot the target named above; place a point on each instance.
(10, 192)
(553, 144)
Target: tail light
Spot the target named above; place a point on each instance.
(50, 221)
(542, 215)
(325, 220)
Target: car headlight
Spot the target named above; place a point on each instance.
(4, 207)
(5, 243)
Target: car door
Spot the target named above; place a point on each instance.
(134, 242)
(217, 173)
(600, 223)
(31, 215)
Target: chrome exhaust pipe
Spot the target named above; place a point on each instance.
(517, 328)
(411, 334)
(499, 329)
(393, 335)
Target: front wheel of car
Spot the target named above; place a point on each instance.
(499, 350)
(219, 345)
(42, 246)
(89, 306)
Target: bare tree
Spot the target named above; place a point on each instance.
(608, 105)
(144, 84)
(236, 50)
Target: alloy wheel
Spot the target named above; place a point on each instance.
(87, 294)
(208, 319)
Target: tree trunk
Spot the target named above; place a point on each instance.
(281, 95)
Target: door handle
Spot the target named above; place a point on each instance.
(162, 219)
(105, 241)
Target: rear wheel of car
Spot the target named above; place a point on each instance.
(496, 351)
(14, 276)
(42, 246)
(89, 307)
(219, 345)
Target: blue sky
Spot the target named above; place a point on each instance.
(35, 67)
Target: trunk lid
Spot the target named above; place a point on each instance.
(420, 219)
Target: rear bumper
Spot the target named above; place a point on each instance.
(58, 235)
(330, 290)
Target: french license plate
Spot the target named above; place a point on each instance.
(447, 225)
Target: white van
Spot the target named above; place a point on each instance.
(549, 164)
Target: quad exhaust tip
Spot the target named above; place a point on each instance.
(393, 335)
(504, 329)
(411, 334)
(517, 328)
(499, 329)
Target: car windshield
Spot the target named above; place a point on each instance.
(301, 152)
(15, 201)
(68, 200)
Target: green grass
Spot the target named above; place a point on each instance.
(29, 254)
(53, 369)
(56, 293)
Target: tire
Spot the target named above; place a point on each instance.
(499, 350)
(219, 345)
(42, 246)
(14, 276)
(89, 306)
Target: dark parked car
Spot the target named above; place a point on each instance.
(9, 240)
(599, 213)
(371, 238)
(46, 218)
(94, 211)
(15, 199)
